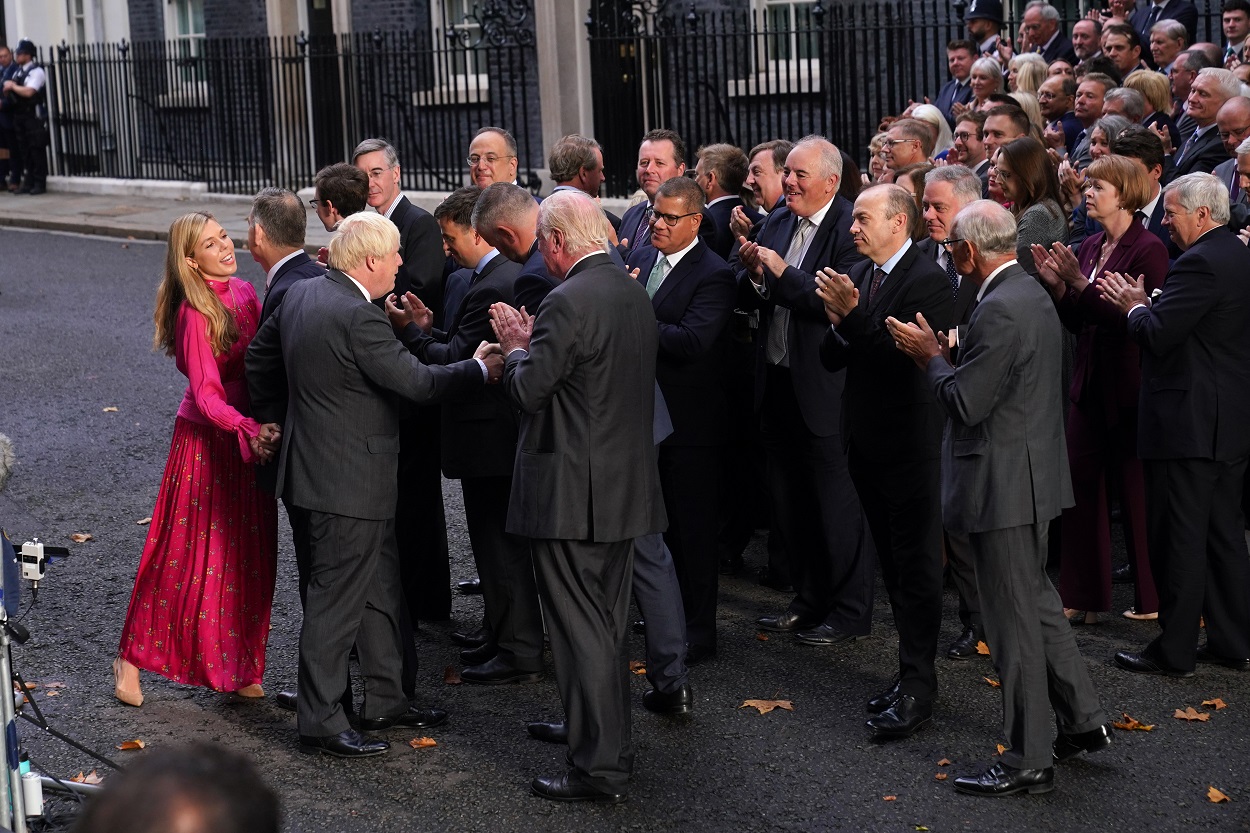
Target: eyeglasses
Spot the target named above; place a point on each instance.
(950, 241)
(490, 159)
(1002, 173)
(671, 219)
(963, 137)
(1236, 131)
(893, 142)
(313, 204)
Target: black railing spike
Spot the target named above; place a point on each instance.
(692, 17)
(818, 12)
(62, 50)
(301, 40)
(377, 37)
(123, 47)
(589, 22)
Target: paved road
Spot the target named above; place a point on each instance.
(75, 314)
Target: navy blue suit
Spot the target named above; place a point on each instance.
(692, 309)
(1060, 49)
(952, 92)
(1202, 156)
(721, 240)
(1180, 10)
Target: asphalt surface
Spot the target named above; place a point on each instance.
(76, 324)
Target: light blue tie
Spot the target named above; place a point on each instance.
(658, 271)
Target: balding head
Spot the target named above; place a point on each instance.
(506, 216)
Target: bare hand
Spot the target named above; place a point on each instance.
(421, 314)
(492, 356)
(1058, 269)
(916, 340)
(323, 256)
(838, 293)
(512, 327)
(1164, 136)
(1244, 236)
(749, 256)
(770, 260)
(267, 443)
(1054, 136)
(1072, 180)
(958, 109)
(739, 223)
(1123, 291)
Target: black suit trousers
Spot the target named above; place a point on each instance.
(816, 513)
(903, 505)
(690, 477)
(1198, 557)
(507, 572)
(420, 523)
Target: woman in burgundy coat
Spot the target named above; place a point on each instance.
(1106, 377)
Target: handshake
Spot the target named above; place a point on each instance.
(267, 443)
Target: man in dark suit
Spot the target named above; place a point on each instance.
(815, 510)
(1055, 99)
(959, 57)
(721, 172)
(661, 156)
(478, 448)
(1004, 476)
(970, 145)
(1044, 34)
(1145, 17)
(947, 191)
(420, 523)
(1207, 94)
(341, 190)
(1194, 434)
(510, 224)
(576, 162)
(1233, 122)
(892, 433)
(328, 360)
(585, 485)
(693, 294)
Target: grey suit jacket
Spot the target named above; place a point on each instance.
(586, 463)
(1004, 459)
(331, 358)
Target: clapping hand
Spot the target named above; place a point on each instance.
(409, 309)
(916, 340)
(1058, 269)
(838, 293)
(1122, 291)
(512, 327)
(739, 223)
(1165, 136)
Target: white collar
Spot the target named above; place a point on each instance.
(721, 199)
(817, 218)
(986, 283)
(273, 270)
(892, 261)
(1149, 208)
(389, 211)
(361, 287)
(676, 257)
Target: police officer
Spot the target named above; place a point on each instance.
(25, 94)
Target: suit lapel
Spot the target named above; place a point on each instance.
(678, 273)
(894, 280)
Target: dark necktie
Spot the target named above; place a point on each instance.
(643, 235)
(1141, 216)
(1153, 17)
(1234, 187)
(1189, 143)
(952, 275)
(878, 275)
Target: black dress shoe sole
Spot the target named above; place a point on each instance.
(895, 734)
(680, 708)
(1153, 668)
(597, 797)
(1232, 663)
(520, 678)
(1064, 750)
(550, 737)
(313, 749)
(1031, 789)
(823, 642)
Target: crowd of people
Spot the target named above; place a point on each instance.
(23, 120)
(1025, 318)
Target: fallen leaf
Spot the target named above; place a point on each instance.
(889, 798)
(451, 676)
(921, 828)
(1216, 797)
(144, 521)
(52, 694)
(761, 636)
(993, 682)
(125, 245)
(27, 686)
(92, 777)
(944, 762)
(1001, 749)
(54, 685)
(110, 410)
(1217, 702)
(1190, 713)
(80, 778)
(80, 537)
(637, 666)
(982, 648)
(422, 743)
(765, 706)
(941, 776)
(1132, 724)
(127, 745)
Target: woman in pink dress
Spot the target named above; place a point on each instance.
(199, 613)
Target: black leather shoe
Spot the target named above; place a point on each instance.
(288, 700)
(680, 701)
(471, 639)
(885, 699)
(548, 732)
(569, 787)
(1001, 779)
(785, 623)
(479, 655)
(965, 647)
(638, 626)
(414, 718)
(1204, 655)
(696, 654)
(1122, 574)
(1141, 664)
(1070, 745)
(498, 672)
(826, 635)
(36, 190)
(903, 719)
(347, 744)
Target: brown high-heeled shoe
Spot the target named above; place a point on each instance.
(129, 696)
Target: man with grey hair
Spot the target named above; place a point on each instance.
(507, 218)
(1126, 102)
(492, 157)
(582, 373)
(1166, 40)
(576, 162)
(815, 509)
(892, 434)
(1207, 94)
(1194, 433)
(1184, 70)
(1043, 34)
(328, 363)
(1233, 122)
(1004, 477)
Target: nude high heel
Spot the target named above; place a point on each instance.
(131, 696)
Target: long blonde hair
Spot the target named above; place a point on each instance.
(182, 283)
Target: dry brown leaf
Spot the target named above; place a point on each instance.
(27, 686)
(1217, 702)
(944, 762)
(92, 777)
(1190, 713)
(1132, 724)
(1216, 797)
(765, 706)
(80, 778)
(54, 685)
(1001, 749)
(637, 666)
(422, 743)
(451, 676)
(889, 798)
(982, 648)
(127, 745)
(110, 410)
(144, 521)
(941, 776)
(761, 636)
(52, 694)
(993, 682)
(80, 537)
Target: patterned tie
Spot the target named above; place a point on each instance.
(778, 342)
(951, 274)
(878, 275)
(658, 271)
(1189, 143)
(1234, 187)
(643, 235)
(1153, 17)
